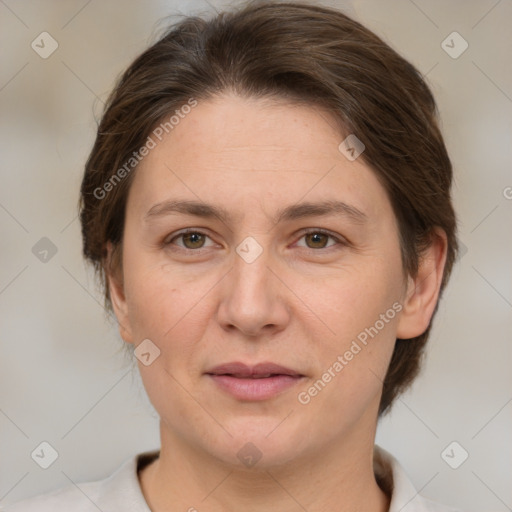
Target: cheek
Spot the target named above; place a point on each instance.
(353, 298)
(167, 309)
(358, 308)
(352, 366)
(170, 308)
(155, 297)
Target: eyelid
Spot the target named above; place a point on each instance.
(340, 240)
(174, 236)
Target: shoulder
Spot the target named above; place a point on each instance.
(64, 499)
(434, 506)
(120, 491)
(394, 480)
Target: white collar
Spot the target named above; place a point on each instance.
(404, 496)
(122, 491)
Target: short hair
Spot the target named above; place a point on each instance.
(306, 54)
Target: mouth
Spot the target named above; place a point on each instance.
(254, 383)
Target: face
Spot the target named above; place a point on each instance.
(295, 262)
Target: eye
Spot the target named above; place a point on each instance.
(318, 238)
(192, 239)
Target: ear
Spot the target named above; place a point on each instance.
(114, 274)
(423, 291)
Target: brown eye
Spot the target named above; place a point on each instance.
(190, 240)
(317, 240)
(193, 240)
(320, 239)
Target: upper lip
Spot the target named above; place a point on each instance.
(242, 370)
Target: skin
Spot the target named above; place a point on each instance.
(300, 304)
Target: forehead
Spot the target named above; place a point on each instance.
(254, 152)
(270, 134)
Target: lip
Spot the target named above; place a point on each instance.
(242, 370)
(253, 383)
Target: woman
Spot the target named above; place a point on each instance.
(268, 205)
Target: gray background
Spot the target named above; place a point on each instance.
(63, 376)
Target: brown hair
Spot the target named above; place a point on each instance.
(300, 52)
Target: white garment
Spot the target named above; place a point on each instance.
(121, 491)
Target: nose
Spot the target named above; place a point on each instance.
(254, 299)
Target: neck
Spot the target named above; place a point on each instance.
(341, 477)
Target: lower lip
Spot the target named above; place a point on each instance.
(255, 389)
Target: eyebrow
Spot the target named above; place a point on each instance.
(292, 212)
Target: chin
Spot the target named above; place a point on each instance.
(260, 443)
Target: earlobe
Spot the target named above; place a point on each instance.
(114, 276)
(423, 290)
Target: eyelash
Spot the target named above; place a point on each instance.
(339, 241)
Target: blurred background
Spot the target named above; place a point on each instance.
(64, 377)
